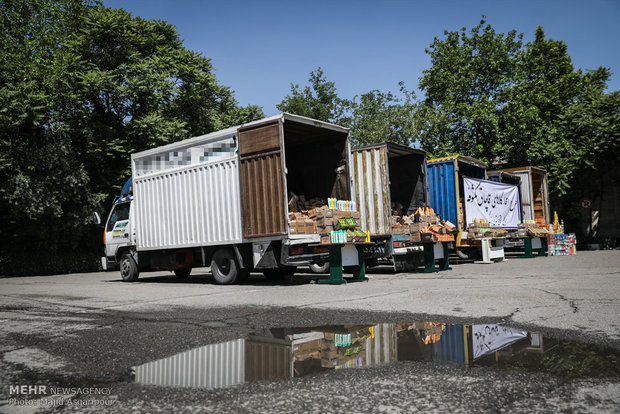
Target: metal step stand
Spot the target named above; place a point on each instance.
(336, 264)
(444, 263)
(429, 258)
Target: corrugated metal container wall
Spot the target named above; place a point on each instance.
(212, 366)
(267, 361)
(191, 206)
(371, 186)
(262, 182)
(263, 205)
(526, 194)
(451, 345)
(442, 188)
(546, 206)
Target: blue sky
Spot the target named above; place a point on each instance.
(259, 47)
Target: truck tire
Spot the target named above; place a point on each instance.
(319, 268)
(129, 268)
(224, 267)
(182, 272)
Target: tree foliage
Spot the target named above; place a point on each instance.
(81, 88)
(492, 97)
(383, 116)
(319, 100)
(374, 116)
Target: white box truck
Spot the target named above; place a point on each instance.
(221, 200)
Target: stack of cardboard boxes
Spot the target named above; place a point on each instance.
(301, 223)
(332, 223)
(314, 217)
(480, 228)
(531, 229)
(423, 226)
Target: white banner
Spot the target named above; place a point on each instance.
(487, 339)
(497, 203)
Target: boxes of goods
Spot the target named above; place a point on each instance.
(324, 217)
(428, 238)
(530, 228)
(495, 233)
(336, 222)
(479, 228)
(423, 221)
(562, 244)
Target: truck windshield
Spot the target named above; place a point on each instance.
(120, 212)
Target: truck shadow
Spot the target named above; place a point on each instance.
(204, 276)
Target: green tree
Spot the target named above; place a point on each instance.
(491, 97)
(373, 117)
(81, 88)
(466, 91)
(43, 183)
(319, 100)
(383, 116)
(134, 87)
(545, 85)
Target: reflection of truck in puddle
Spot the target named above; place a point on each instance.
(274, 354)
(284, 353)
(220, 200)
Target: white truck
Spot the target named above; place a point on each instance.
(221, 200)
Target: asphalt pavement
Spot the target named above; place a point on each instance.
(89, 330)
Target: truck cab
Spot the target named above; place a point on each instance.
(118, 236)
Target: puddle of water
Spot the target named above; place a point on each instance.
(285, 353)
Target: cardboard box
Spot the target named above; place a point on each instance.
(309, 226)
(325, 214)
(324, 229)
(295, 227)
(338, 214)
(415, 227)
(325, 239)
(312, 213)
(341, 224)
(427, 237)
(450, 226)
(415, 236)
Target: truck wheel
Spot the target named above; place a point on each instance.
(129, 268)
(224, 267)
(279, 273)
(319, 268)
(182, 272)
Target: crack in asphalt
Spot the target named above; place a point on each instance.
(571, 302)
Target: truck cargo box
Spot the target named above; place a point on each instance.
(534, 193)
(445, 185)
(384, 174)
(232, 186)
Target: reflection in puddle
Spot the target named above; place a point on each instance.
(284, 353)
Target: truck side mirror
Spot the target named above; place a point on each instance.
(96, 218)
